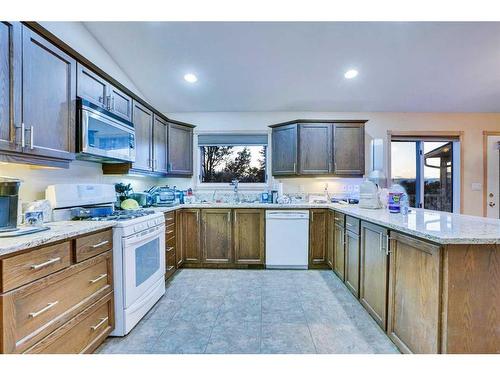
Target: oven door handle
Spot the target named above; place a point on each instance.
(144, 236)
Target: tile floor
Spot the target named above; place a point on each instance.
(254, 311)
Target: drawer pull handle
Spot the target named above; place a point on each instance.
(170, 231)
(169, 219)
(99, 278)
(46, 308)
(169, 268)
(100, 244)
(170, 248)
(102, 321)
(45, 264)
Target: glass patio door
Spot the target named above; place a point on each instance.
(426, 170)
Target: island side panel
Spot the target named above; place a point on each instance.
(471, 299)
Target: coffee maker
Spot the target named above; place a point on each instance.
(9, 198)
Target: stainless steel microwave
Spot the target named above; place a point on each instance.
(102, 136)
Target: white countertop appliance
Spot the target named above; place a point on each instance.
(369, 195)
(138, 247)
(287, 239)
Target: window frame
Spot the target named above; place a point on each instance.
(225, 185)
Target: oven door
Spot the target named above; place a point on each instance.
(105, 136)
(144, 262)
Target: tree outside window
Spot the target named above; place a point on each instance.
(226, 163)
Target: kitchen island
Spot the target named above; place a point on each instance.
(431, 280)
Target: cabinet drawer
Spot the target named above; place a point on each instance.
(170, 263)
(352, 224)
(82, 334)
(24, 268)
(169, 217)
(170, 242)
(339, 218)
(97, 243)
(170, 232)
(35, 310)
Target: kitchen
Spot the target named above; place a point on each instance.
(241, 218)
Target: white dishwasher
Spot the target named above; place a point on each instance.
(287, 239)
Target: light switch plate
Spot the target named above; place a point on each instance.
(476, 186)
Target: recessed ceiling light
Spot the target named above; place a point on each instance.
(351, 73)
(190, 77)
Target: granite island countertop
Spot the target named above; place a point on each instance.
(59, 230)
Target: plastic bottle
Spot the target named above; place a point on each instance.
(404, 204)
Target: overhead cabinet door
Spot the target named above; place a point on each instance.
(10, 85)
(143, 124)
(120, 104)
(49, 96)
(349, 149)
(100, 92)
(160, 145)
(91, 87)
(284, 143)
(180, 150)
(315, 148)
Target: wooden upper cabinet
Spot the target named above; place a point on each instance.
(159, 145)
(216, 236)
(284, 150)
(49, 98)
(100, 92)
(315, 148)
(249, 236)
(414, 295)
(91, 87)
(318, 147)
(120, 103)
(349, 149)
(190, 235)
(374, 271)
(180, 150)
(143, 124)
(10, 85)
(318, 228)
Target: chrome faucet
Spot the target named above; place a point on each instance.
(235, 183)
(213, 195)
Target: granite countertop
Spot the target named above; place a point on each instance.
(59, 230)
(439, 227)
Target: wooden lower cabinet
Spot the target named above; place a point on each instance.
(414, 295)
(352, 262)
(52, 307)
(249, 236)
(330, 239)
(171, 247)
(216, 236)
(83, 334)
(374, 271)
(339, 249)
(190, 236)
(318, 229)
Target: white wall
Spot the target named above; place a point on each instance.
(472, 124)
(80, 39)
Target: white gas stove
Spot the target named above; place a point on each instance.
(138, 247)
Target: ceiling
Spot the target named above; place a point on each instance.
(300, 66)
